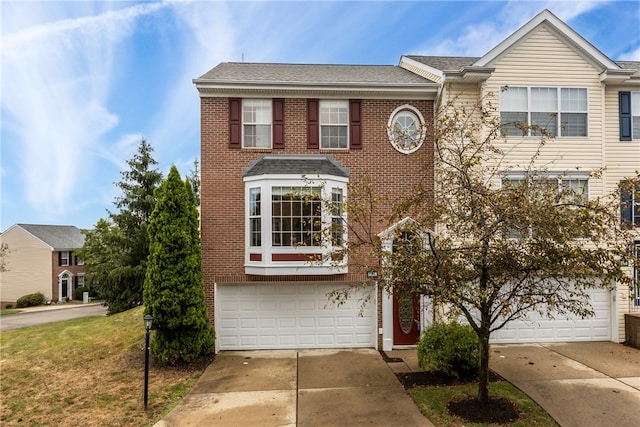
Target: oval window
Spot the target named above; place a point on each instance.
(406, 129)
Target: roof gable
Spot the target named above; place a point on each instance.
(562, 30)
(58, 237)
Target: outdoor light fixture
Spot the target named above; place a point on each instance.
(148, 322)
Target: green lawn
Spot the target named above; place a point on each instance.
(432, 401)
(87, 372)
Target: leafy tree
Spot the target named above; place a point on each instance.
(504, 249)
(194, 180)
(116, 251)
(4, 254)
(501, 249)
(173, 288)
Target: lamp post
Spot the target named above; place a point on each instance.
(148, 322)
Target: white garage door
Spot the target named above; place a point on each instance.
(542, 329)
(290, 316)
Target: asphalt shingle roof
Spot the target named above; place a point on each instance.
(311, 73)
(296, 165)
(445, 63)
(59, 237)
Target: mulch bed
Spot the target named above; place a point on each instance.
(497, 410)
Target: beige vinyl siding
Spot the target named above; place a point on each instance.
(28, 266)
(622, 161)
(544, 60)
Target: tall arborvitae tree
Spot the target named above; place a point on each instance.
(116, 250)
(173, 290)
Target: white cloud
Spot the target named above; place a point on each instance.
(478, 38)
(57, 78)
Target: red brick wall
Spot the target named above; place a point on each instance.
(222, 209)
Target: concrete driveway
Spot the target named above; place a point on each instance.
(297, 388)
(595, 384)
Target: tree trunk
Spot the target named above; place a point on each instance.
(483, 382)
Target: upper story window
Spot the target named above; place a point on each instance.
(294, 216)
(559, 111)
(630, 204)
(629, 105)
(64, 258)
(406, 129)
(334, 124)
(256, 123)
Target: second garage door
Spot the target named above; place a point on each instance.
(290, 316)
(542, 329)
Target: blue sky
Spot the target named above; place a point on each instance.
(82, 82)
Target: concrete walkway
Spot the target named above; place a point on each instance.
(594, 384)
(297, 388)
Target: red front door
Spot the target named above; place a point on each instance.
(406, 319)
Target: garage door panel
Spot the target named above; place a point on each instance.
(536, 328)
(289, 316)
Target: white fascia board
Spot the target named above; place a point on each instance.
(296, 179)
(334, 90)
(563, 29)
(409, 64)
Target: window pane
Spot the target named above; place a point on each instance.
(573, 124)
(293, 210)
(544, 99)
(509, 124)
(333, 137)
(514, 99)
(636, 127)
(546, 121)
(256, 117)
(573, 99)
(334, 120)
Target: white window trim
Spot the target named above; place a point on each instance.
(266, 267)
(562, 176)
(423, 129)
(558, 110)
(634, 113)
(270, 122)
(321, 124)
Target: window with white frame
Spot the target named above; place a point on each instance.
(635, 115)
(630, 204)
(560, 112)
(636, 273)
(337, 220)
(63, 258)
(574, 189)
(334, 124)
(255, 218)
(256, 123)
(294, 214)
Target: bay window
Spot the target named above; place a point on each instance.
(300, 225)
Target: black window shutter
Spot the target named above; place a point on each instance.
(235, 122)
(355, 128)
(313, 123)
(625, 115)
(278, 123)
(59, 259)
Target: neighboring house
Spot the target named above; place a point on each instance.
(277, 140)
(547, 74)
(42, 258)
